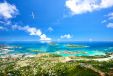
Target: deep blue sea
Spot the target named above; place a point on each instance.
(61, 48)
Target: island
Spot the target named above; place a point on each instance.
(76, 46)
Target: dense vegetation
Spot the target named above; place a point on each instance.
(53, 65)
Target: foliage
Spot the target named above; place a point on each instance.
(51, 66)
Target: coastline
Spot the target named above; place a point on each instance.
(68, 58)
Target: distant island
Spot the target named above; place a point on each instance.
(55, 59)
(75, 46)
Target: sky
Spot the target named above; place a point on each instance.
(56, 20)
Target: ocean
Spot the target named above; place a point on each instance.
(61, 48)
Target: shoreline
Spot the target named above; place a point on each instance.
(68, 58)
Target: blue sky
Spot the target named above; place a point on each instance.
(70, 20)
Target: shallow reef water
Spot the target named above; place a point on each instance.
(61, 48)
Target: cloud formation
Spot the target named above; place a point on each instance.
(7, 10)
(84, 6)
(1, 28)
(67, 36)
(43, 37)
(90, 39)
(50, 29)
(110, 25)
(33, 15)
(104, 21)
(32, 31)
(108, 20)
(110, 15)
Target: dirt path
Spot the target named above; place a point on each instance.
(94, 69)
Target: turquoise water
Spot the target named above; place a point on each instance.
(61, 48)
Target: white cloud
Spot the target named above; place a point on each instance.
(33, 15)
(1, 28)
(67, 36)
(7, 10)
(32, 31)
(7, 22)
(50, 29)
(90, 39)
(43, 37)
(110, 25)
(84, 6)
(110, 15)
(104, 21)
(2, 22)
